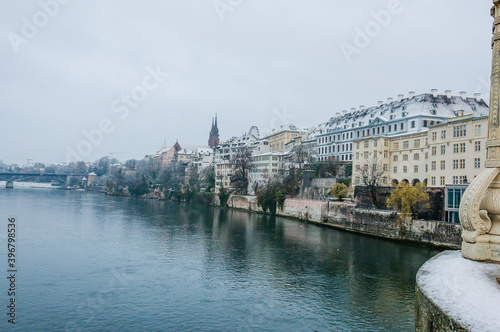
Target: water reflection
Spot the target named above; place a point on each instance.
(197, 268)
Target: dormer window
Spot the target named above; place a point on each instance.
(433, 112)
(393, 117)
(405, 114)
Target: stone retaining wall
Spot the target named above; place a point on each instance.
(385, 224)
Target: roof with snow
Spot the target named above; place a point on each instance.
(428, 105)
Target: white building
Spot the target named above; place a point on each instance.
(394, 117)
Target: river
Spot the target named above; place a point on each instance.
(88, 262)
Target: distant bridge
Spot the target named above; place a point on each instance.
(63, 178)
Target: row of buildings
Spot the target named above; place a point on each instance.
(434, 138)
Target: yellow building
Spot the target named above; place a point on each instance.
(451, 153)
(279, 137)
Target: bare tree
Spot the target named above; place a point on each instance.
(371, 175)
(242, 163)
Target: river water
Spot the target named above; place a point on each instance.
(88, 262)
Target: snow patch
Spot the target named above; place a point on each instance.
(466, 290)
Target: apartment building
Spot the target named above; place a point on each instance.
(449, 153)
(409, 115)
(278, 138)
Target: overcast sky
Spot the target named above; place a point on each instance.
(101, 67)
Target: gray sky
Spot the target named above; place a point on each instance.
(69, 69)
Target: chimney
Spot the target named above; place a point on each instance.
(344, 112)
(463, 94)
(448, 94)
(434, 92)
(380, 103)
(411, 94)
(353, 109)
(477, 96)
(337, 114)
(389, 100)
(400, 97)
(361, 107)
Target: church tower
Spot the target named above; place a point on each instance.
(213, 140)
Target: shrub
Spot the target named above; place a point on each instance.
(409, 200)
(340, 191)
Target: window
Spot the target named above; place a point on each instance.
(478, 130)
(455, 164)
(375, 143)
(477, 146)
(357, 155)
(405, 169)
(384, 179)
(416, 143)
(357, 145)
(386, 153)
(462, 163)
(406, 144)
(443, 164)
(459, 179)
(367, 143)
(405, 157)
(402, 126)
(358, 167)
(413, 124)
(395, 158)
(433, 180)
(433, 150)
(366, 155)
(396, 145)
(427, 155)
(459, 131)
(386, 142)
(442, 180)
(433, 165)
(416, 156)
(386, 167)
(477, 163)
(426, 167)
(462, 147)
(415, 168)
(455, 148)
(443, 149)
(395, 170)
(443, 134)
(434, 136)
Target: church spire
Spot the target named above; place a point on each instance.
(213, 139)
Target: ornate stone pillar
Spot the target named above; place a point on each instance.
(480, 206)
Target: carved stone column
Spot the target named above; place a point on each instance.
(480, 206)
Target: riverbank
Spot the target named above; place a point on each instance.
(346, 217)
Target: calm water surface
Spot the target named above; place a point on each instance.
(89, 262)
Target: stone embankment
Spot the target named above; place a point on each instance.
(345, 216)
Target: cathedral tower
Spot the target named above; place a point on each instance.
(213, 140)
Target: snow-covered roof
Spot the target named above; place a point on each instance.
(288, 127)
(428, 105)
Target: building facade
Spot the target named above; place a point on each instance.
(450, 153)
(395, 117)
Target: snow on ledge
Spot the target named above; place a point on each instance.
(465, 290)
